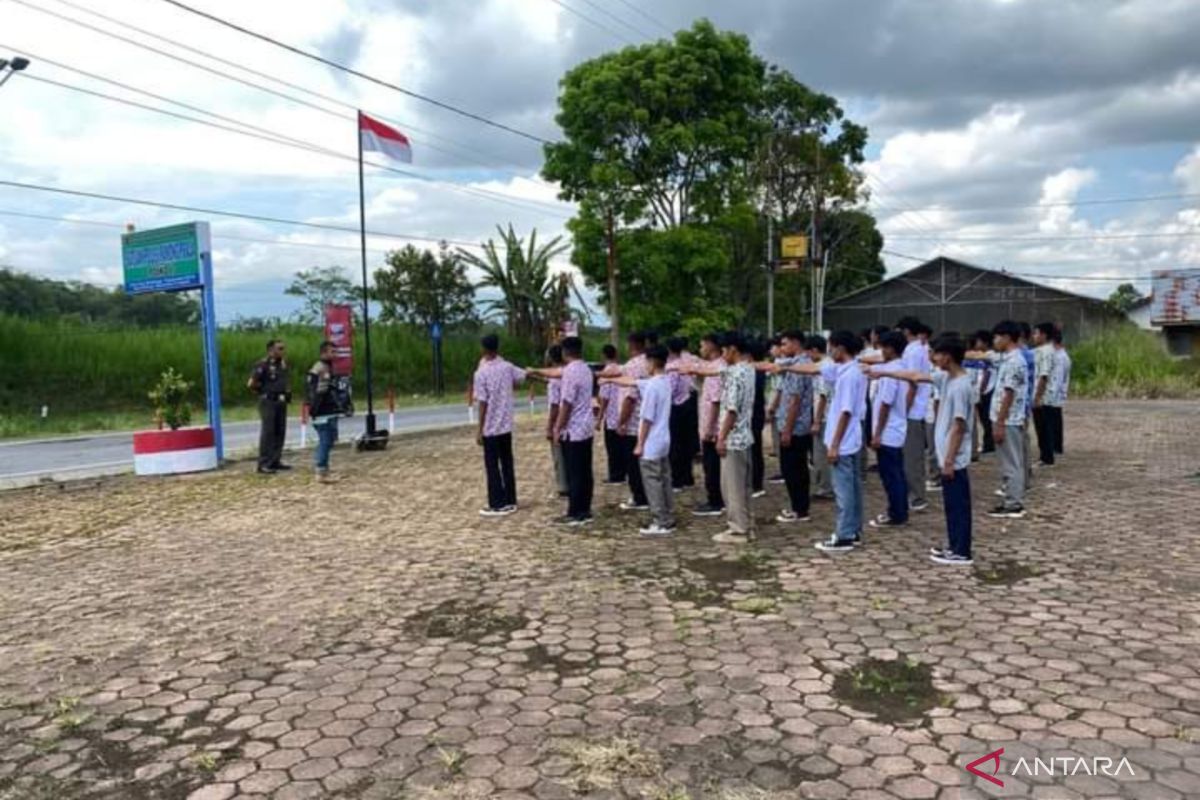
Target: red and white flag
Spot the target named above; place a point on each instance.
(383, 139)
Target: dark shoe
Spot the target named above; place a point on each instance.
(1004, 512)
(836, 545)
(281, 467)
(707, 511)
(267, 471)
(776, 479)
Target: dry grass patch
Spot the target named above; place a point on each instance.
(600, 765)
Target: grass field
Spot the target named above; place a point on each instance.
(1129, 363)
(95, 378)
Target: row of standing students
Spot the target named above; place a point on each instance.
(654, 418)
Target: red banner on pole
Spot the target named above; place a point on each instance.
(339, 329)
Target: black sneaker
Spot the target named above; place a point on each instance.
(918, 505)
(1004, 512)
(938, 552)
(884, 521)
(835, 545)
(267, 471)
(951, 559)
(615, 483)
(281, 467)
(707, 511)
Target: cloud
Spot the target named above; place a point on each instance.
(970, 103)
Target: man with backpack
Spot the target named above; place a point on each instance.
(325, 405)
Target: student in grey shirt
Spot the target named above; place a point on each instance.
(1009, 403)
(952, 442)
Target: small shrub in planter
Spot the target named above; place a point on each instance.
(169, 395)
(180, 448)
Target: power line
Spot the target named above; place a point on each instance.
(301, 144)
(1149, 198)
(205, 68)
(619, 20)
(454, 150)
(647, 15)
(351, 71)
(1042, 275)
(224, 236)
(222, 213)
(583, 17)
(1065, 238)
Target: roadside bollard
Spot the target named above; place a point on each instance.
(392, 410)
(303, 425)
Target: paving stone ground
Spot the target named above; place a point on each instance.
(230, 636)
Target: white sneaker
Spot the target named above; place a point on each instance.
(951, 559)
(759, 493)
(652, 531)
(492, 512)
(629, 505)
(788, 516)
(731, 537)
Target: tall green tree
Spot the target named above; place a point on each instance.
(1125, 297)
(418, 287)
(689, 145)
(319, 287)
(532, 300)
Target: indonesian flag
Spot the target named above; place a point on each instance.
(383, 139)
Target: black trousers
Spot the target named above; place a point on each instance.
(501, 479)
(985, 422)
(692, 431)
(615, 452)
(633, 471)
(580, 483)
(758, 465)
(273, 432)
(681, 454)
(956, 499)
(1056, 432)
(793, 462)
(1043, 427)
(712, 475)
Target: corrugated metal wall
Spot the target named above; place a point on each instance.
(949, 296)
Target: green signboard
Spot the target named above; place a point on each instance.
(165, 259)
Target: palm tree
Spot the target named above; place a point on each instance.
(533, 301)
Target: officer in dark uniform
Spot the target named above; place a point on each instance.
(271, 381)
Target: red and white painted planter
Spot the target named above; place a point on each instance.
(170, 452)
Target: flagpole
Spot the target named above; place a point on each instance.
(362, 219)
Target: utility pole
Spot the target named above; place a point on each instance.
(614, 313)
(770, 274)
(819, 260)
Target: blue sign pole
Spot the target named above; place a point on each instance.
(212, 355)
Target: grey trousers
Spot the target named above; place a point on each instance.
(933, 470)
(737, 479)
(1013, 454)
(822, 482)
(656, 476)
(1028, 453)
(560, 467)
(914, 460)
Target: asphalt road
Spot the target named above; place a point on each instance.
(29, 461)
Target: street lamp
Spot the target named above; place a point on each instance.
(10, 68)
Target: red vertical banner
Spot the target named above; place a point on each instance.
(339, 329)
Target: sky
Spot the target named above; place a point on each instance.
(1001, 131)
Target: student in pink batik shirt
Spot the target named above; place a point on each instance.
(610, 412)
(573, 429)
(492, 389)
(554, 360)
(710, 400)
(629, 421)
(683, 422)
